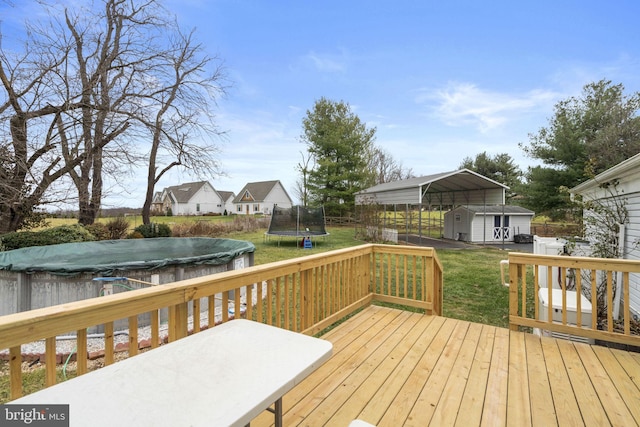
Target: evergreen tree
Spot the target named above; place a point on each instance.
(341, 147)
(587, 135)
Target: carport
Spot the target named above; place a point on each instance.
(408, 198)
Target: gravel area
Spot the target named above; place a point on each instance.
(95, 342)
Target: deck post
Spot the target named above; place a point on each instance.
(514, 270)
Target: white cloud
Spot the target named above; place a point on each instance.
(465, 104)
(327, 62)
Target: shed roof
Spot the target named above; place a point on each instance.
(498, 210)
(462, 185)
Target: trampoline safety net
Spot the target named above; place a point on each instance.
(297, 221)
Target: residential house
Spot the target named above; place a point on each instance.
(191, 198)
(260, 197)
(487, 223)
(620, 184)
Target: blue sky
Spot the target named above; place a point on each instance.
(440, 81)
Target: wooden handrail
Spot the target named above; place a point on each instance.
(304, 294)
(572, 276)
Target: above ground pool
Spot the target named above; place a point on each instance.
(44, 276)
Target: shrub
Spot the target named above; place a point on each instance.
(117, 227)
(135, 235)
(154, 230)
(98, 230)
(50, 236)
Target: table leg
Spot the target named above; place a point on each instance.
(278, 412)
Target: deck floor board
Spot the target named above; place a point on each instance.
(395, 368)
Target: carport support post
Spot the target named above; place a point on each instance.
(420, 222)
(406, 225)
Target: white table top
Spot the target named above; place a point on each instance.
(226, 375)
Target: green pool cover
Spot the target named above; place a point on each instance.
(129, 254)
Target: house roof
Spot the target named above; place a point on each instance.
(621, 169)
(184, 192)
(450, 183)
(258, 191)
(226, 195)
(498, 209)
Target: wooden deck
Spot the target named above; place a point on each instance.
(395, 368)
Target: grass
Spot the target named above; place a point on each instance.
(472, 286)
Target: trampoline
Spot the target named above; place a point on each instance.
(297, 222)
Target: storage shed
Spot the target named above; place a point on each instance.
(487, 224)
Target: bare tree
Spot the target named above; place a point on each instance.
(385, 168)
(302, 184)
(183, 125)
(109, 83)
(30, 157)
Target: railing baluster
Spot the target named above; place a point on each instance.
(81, 351)
(15, 372)
(260, 305)
(249, 301)
(594, 301)
(133, 335)
(211, 311)
(155, 328)
(627, 308)
(578, 277)
(609, 301)
(225, 306)
(270, 302)
(108, 343)
(283, 293)
(50, 361)
(196, 315)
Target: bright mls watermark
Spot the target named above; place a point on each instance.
(34, 415)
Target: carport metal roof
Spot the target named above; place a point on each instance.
(459, 187)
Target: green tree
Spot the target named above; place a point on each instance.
(340, 146)
(587, 135)
(500, 168)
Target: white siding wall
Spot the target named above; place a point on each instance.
(484, 225)
(632, 247)
(208, 199)
(629, 188)
(277, 196)
(453, 228)
(229, 206)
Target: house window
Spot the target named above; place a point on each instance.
(198, 207)
(256, 208)
(239, 208)
(458, 217)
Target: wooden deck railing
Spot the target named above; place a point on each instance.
(529, 273)
(304, 294)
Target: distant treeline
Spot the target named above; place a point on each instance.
(104, 213)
